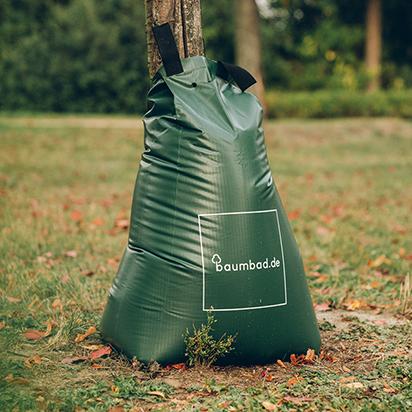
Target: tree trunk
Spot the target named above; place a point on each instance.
(373, 43)
(185, 19)
(247, 43)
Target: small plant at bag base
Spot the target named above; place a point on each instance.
(202, 349)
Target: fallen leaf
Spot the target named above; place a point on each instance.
(379, 261)
(105, 350)
(296, 360)
(353, 304)
(65, 278)
(12, 299)
(281, 363)
(374, 284)
(322, 307)
(269, 378)
(327, 357)
(97, 366)
(269, 406)
(294, 214)
(402, 252)
(294, 380)
(157, 393)
(322, 231)
(297, 400)
(98, 221)
(122, 223)
(327, 219)
(116, 409)
(57, 304)
(49, 328)
(399, 229)
(33, 334)
(81, 337)
(113, 262)
(34, 360)
(9, 378)
(179, 366)
(72, 360)
(87, 273)
(2, 325)
(115, 389)
(310, 355)
(71, 253)
(76, 216)
(346, 379)
(388, 389)
(91, 347)
(354, 385)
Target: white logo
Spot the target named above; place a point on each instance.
(249, 265)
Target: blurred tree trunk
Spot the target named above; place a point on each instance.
(185, 19)
(248, 44)
(373, 43)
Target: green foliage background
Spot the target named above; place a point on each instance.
(90, 55)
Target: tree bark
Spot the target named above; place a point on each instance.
(373, 43)
(248, 43)
(184, 17)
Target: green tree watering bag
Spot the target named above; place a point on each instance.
(208, 229)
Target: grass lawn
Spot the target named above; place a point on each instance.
(65, 193)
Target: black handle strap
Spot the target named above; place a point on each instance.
(241, 76)
(167, 49)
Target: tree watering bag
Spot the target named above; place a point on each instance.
(208, 231)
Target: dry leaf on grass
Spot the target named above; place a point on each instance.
(354, 385)
(2, 325)
(81, 337)
(157, 393)
(294, 380)
(269, 406)
(71, 253)
(33, 334)
(116, 409)
(379, 261)
(76, 216)
(355, 304)
(294, 214)
(179, 366)
(310, 355)
(281, 363)
(307, 358)
(98, 221)
(33, 360)
(91, 347)
(99, 353)
(76, 359)
(389, 389)
(122, 223)
(327, 357)
(12, 299)
(57, 304)
(297, 400)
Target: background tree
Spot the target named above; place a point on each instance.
(248, 44)
(373, 43)
(185, 18)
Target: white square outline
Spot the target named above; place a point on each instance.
(211, 309)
